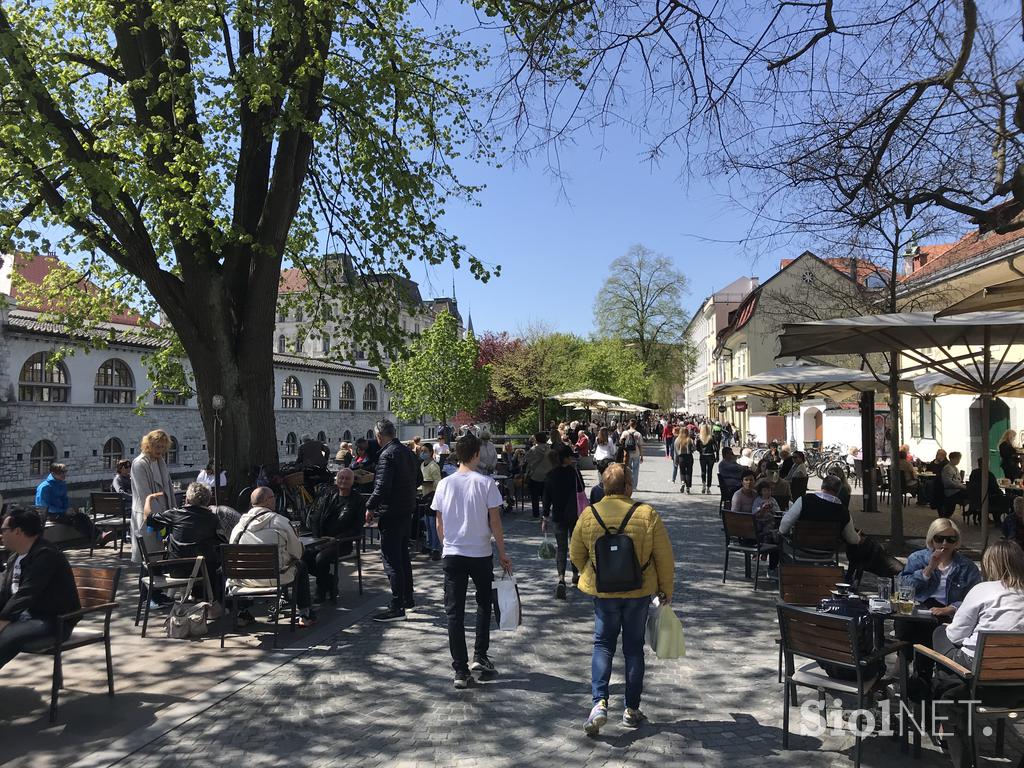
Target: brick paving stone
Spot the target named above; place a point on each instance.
(382, 694)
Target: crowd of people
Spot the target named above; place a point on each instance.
(445, 496)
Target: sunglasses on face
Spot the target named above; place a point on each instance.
(946, 539)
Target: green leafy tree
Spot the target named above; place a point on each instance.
(608, 366)
(187, 150)
(440, 375)
(545, 365)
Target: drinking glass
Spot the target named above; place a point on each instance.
(883, 590)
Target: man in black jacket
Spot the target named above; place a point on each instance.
(394, 501)
(37, 587)
(193, 531)
(337, 512)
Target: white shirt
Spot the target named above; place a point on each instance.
(463, 501)
(16, 575)
(988, 605)
(604, 450)
(206, 478)
(441, 449)
(745, 461)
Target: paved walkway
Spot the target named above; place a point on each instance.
(373, 695)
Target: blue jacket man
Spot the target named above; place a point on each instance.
(52, 493)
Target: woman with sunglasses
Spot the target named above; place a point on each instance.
(941, 577)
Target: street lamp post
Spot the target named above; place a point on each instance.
(218, 403)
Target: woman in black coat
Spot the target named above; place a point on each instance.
(560, 489)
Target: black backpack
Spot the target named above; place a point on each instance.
(629, 443)
(615, 562)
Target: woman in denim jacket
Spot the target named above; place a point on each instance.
(941, 577)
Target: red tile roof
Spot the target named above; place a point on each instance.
(34, 270)
(969, 247)
(293, 281)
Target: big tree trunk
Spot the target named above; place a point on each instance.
(226, 328)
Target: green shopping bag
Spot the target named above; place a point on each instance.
(546, 550)
(665, 633)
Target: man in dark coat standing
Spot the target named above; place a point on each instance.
(394, 501)
(37, 587)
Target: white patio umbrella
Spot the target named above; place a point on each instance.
(589, 396)
(1009, 295)
(800, 381)
(960, 347)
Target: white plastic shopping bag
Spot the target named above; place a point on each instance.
(507, 608)
(665, 632)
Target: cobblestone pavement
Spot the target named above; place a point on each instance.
(382, 695)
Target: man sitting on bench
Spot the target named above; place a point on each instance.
(52, 496)
(37, 587)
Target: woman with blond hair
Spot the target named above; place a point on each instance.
(683, 449)
(941, 576)
(149, 476)
(707, 452)
(995, 604)
(1009, 460)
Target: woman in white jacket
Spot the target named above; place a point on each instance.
(150, 475)
(995, 604)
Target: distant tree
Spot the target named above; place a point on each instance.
(546, 364)
(440, 375)
(641, 304)
(608, 366)
(497, 410)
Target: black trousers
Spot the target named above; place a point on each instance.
(319, 564)
(686, 467)
(458, 570)
(563, 533)
(948, 504)
(77, 520)
(707, 464)
(919, 632)
(394, 551)
(536, 494)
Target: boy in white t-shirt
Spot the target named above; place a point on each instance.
(468, 506)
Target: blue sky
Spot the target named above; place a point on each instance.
(554, 239)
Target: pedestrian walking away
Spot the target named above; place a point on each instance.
(707, 451)
(624, 610)
(468, 507)
(632, 443)
(560, 489)
(394, 500)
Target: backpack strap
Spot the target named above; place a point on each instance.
(625, 520)
(597, 517)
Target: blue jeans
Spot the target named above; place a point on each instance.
(612, 614)
(19, 634)
(634, 466)
(433, 542)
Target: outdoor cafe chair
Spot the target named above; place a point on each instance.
(110, 513)
(163, 574)
(814, 542)
(253, 562)
(823, 638)
(97, 588)
(805, 585)
(741, 537)
(996, 680)
(356, 554)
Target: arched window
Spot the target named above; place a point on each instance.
(347, 437)
(113, 452)
(370, 398)
(291, 393)
(291, 444)
(282, 344)
(43, 455)
(43, 380)
(115, 384)
(326, 348)
(172, 452)
(321, 396)
(370, 435)
(298, 314)
(347, 397)
(321, 436)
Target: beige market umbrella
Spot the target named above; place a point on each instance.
(973, 350)
(587, 396)
(1003, 296)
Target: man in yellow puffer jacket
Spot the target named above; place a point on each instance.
(625, 611)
